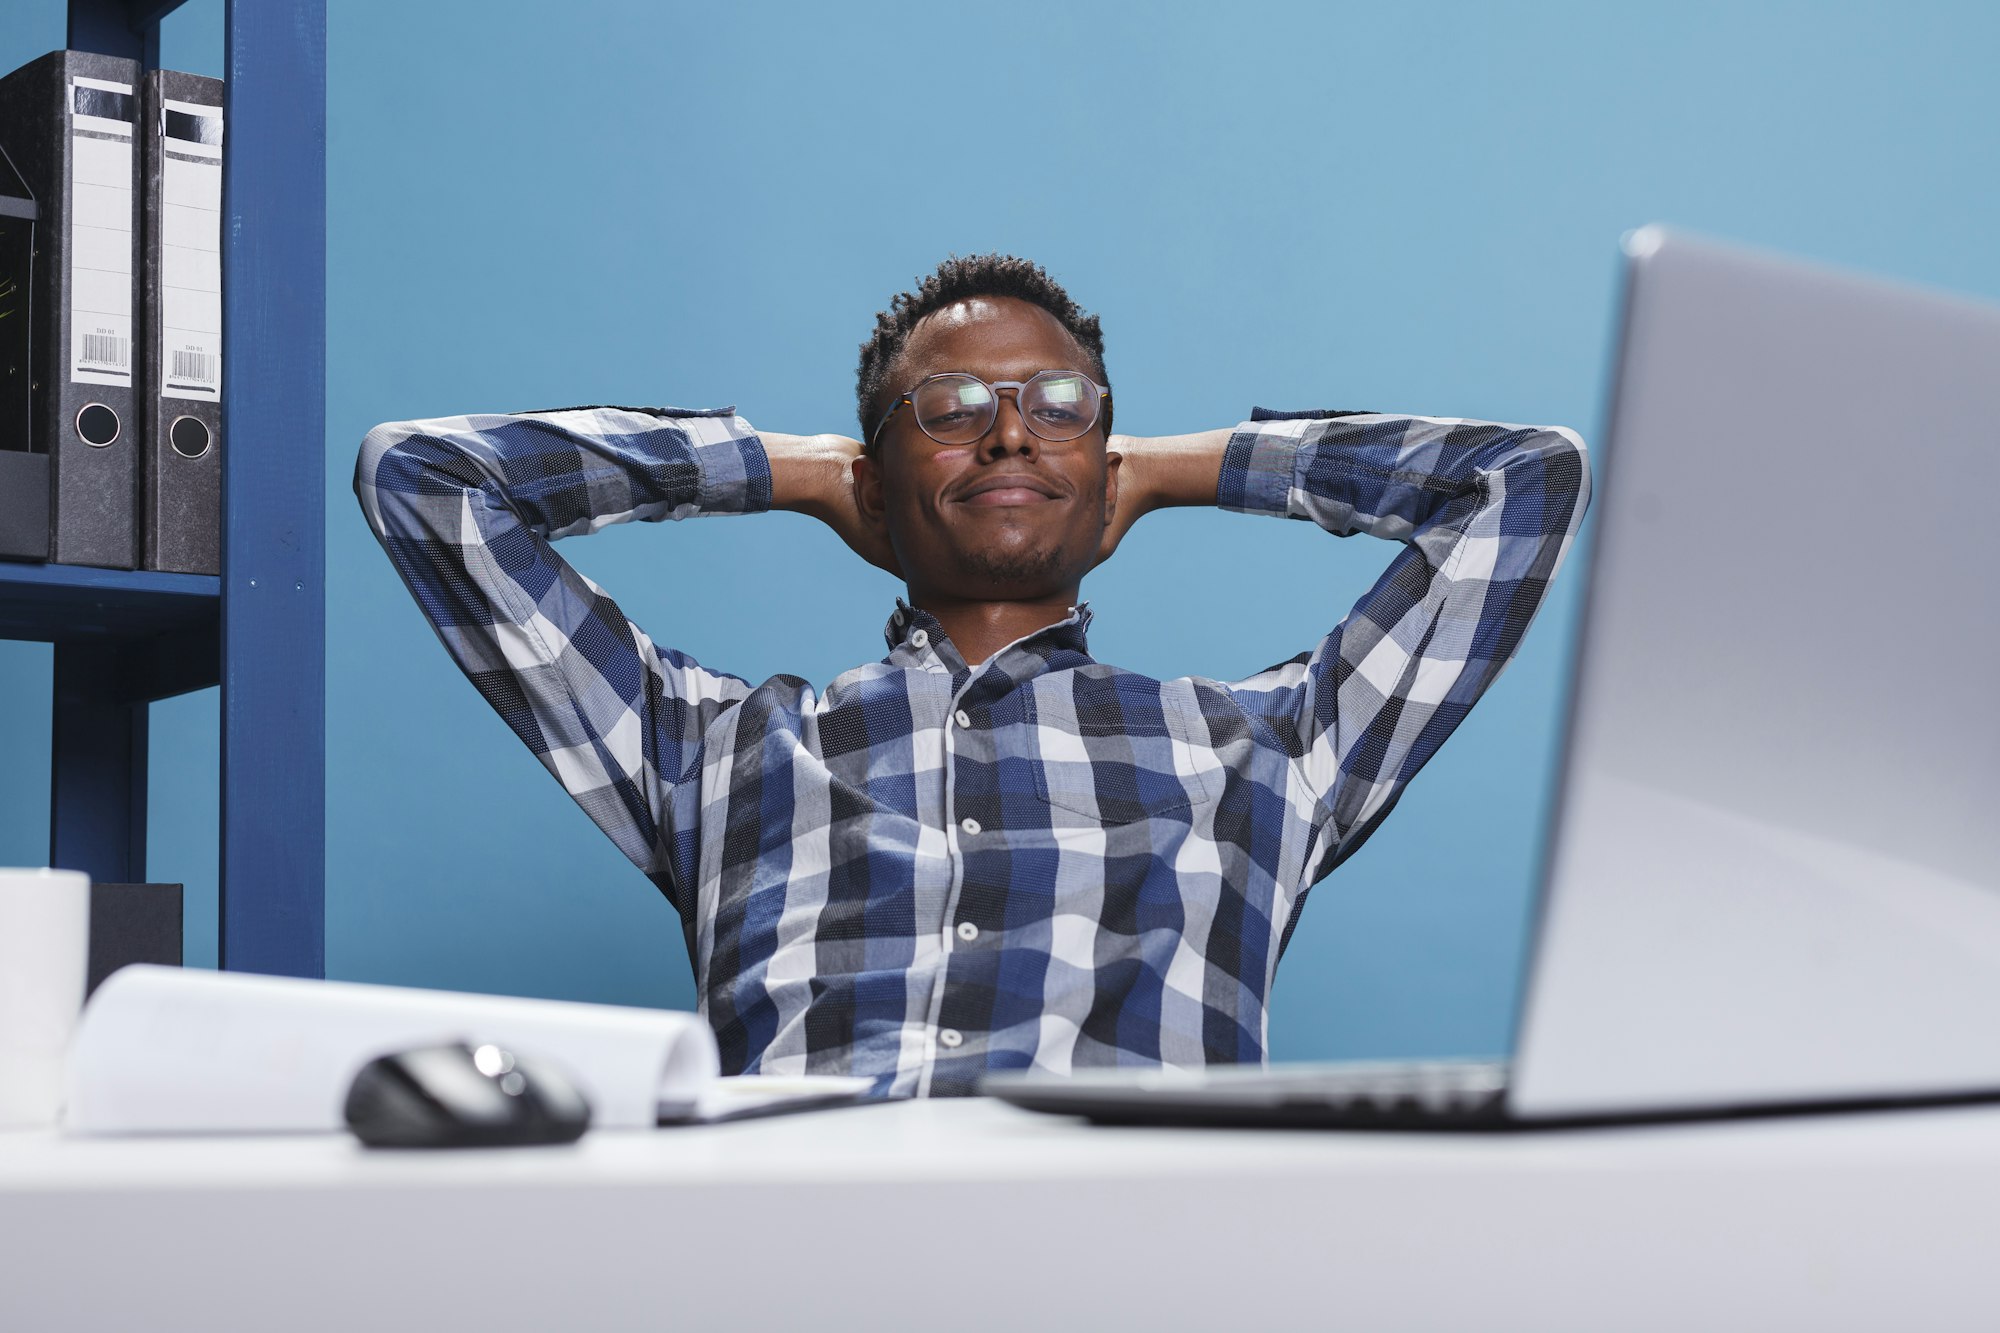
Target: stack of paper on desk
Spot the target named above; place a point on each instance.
(163, 1050)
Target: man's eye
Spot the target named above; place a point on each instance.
(1058, 416)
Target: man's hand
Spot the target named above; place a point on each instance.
(1161, 472)
(814, 474)
(1132, 498)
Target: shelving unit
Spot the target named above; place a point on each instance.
(122, 639)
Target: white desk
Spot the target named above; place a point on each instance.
(970, 1215)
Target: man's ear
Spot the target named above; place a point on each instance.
(867, 472)
(1113, 460)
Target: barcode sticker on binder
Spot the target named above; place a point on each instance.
(106, 351)
(100, 233)
(191, 252)
(194, 367)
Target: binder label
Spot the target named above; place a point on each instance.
(191, 252)
(100, 238)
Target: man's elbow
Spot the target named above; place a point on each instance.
(382, 441)
(380, 461)
(1566, 466)
(1567, 440)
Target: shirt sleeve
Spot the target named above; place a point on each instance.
(1485, 513)
(467, 509)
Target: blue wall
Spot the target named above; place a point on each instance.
(1411, 207)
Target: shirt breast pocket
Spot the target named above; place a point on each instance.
(1120, 749)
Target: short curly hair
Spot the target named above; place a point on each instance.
(956, 279)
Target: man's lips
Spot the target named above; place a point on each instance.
(1009, 489)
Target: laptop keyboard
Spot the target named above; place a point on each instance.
(1428, 1087)
(1387, 1094)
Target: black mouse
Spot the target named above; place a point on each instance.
(458, 1096)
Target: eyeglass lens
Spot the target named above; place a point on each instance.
(959, 409)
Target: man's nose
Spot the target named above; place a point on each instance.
(1009, 433)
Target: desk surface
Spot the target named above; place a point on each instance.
(974, 1215)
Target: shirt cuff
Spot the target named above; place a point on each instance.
(729, 459)
(1258, 466)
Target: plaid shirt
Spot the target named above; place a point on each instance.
(933, 869)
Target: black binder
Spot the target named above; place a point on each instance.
(181, 162)
(69, 119)
(24, 474)
(132, 923)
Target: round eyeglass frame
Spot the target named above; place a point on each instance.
(909, 398)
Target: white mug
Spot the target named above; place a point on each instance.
(44, 957)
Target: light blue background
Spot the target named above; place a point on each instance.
(1399, 206)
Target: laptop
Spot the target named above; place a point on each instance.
(1771, 879)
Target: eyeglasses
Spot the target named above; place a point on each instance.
(956, 408)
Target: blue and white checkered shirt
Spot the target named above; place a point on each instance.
(934, 869)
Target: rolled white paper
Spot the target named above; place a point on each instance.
(165, 1050)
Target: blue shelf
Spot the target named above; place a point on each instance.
(124, 639)
(73, 603)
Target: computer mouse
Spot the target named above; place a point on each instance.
(461, 1096)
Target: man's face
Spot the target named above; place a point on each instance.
(1010, 517)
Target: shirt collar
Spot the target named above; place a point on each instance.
(916, 639)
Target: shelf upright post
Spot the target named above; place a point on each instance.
(97, 768)
(127, 28)
(97, 761)
(273, 863)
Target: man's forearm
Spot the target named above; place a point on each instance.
(814, 475)
(808, 472)
(589, 468)
(1173, 470)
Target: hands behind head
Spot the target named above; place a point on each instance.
(839, 510)
(1132, 497)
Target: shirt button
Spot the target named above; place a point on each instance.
(951, 1038)
(969, 824)
(963, 718)
(967, 931)
(919, 639)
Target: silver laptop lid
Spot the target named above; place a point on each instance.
(1774, 868)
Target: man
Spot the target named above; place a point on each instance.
(987, 850)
